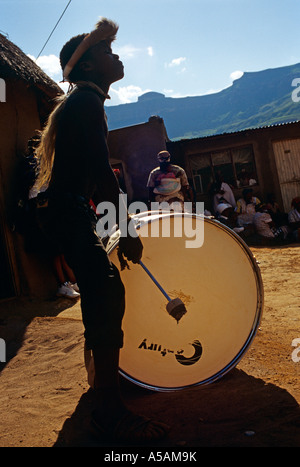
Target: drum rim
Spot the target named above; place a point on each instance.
(258, 314)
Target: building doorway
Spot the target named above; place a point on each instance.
(287, 157)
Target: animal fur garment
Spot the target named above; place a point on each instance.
(105, 30)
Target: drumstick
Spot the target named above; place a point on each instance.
(175, 307)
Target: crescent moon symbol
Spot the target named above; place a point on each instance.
(194, 358)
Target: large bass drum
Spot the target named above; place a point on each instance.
(218, 280)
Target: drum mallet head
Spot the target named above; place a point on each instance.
(175, 306)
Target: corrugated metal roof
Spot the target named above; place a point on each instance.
(235, 132)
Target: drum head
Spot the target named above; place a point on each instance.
(220, 285)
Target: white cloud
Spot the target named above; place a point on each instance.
(127, 51)
(236, 75)
(49, 64)
(176, 62)
(150, 51)
(126, 94)
(175, 95)
(168, 91)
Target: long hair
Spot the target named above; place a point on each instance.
(45, 150)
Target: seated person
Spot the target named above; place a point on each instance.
(245, 208)
(223, 193)
(228, 216)
(246, 179)
(280, 218)
(252, 180)
(294, 218)
(265, 226)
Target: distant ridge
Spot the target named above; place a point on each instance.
(256, 99)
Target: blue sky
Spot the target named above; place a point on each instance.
(176, 47)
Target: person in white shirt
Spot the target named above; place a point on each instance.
(222, 193)
(245, 207)
(168, 182)
(225, 194)
(263, 222)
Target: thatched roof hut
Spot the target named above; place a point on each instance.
(15, 66)
(29, 98)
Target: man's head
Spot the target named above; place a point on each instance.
(88, 57)
(247, 194)
(296, 203)
(163, 156)
(224, 209)
(164, 159)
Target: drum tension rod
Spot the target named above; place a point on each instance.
(175, 307)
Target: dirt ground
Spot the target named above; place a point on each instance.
(45, 400)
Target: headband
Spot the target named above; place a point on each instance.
(105, 30)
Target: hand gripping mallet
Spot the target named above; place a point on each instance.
(175, 307)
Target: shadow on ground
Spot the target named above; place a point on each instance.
(237, 411)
